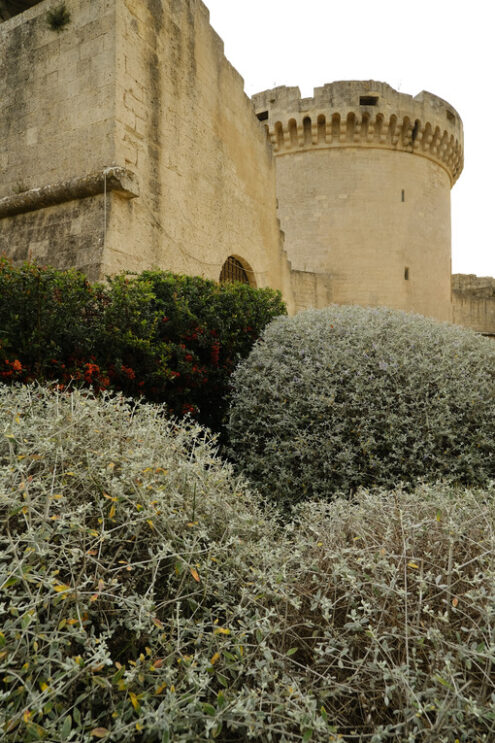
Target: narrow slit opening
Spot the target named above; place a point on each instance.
(368, 100)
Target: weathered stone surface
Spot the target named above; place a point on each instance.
(143, 87)
(473, 301)
(67, 235)
(120, 180)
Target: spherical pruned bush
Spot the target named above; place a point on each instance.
(334, 399)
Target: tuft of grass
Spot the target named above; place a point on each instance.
(58, 18)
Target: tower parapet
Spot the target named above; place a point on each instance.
(363, 114)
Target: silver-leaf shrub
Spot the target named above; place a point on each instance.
(396, 625)
(334, 399)
(146, 598)
(130, 567)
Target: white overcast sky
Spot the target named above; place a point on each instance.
(444, 46)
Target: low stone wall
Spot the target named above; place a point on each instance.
(473, 302)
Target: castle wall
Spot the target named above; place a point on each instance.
(56, 95)
(66, 235)
(187, 129)
(473, 301)
(130, 130)
(56, 124)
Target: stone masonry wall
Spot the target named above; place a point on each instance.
(128, 143)
(344, 218)
(363, 183)
(187, 129)
(56, 124)
(473, 301)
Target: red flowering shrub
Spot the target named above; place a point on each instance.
(167, 338)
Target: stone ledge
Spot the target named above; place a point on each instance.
(119, 180)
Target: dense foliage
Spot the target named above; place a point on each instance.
(172, 339)
(335, 399)
(147, 598)
(396, 619)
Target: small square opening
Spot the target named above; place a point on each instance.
(450, 116)
(368, 100)
(262, 116)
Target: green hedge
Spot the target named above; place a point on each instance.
(167, 338)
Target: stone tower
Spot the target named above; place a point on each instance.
(363, 185)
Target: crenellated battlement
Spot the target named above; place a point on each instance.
(363, 114)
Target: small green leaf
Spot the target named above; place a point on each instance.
(117, 676)
(323, 713)
(36, 731)
(308, 734)
(216, 730)
(209, 709)
(222, 680)
(26, 620)
(443, 682)
(66, 727)
(292, 651)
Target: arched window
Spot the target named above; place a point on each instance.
(233, 270)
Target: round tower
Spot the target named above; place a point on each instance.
(363, 184)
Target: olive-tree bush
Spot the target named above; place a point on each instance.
(334, 399)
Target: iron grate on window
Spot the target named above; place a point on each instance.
(233, 270)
